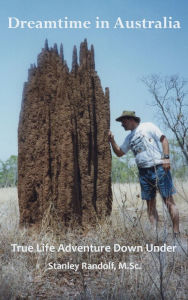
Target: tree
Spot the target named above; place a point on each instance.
(124, 169)
(179, 169)
(8, 172)
(169, 96)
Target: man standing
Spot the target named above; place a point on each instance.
(145, 141)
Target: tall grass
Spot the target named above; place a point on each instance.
(163, 275)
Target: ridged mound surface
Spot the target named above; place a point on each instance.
(64, 159)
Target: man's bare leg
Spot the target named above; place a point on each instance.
(152, 211)
(174, 213)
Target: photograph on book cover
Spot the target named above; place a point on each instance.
(94, 149)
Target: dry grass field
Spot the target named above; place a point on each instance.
(161, 275)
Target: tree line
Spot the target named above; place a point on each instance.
(124, 170)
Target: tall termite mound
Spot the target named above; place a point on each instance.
(64, 158)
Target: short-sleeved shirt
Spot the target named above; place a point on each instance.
(144, 141)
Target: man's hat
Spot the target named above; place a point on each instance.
(127, 113)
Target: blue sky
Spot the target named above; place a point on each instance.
(122, 56)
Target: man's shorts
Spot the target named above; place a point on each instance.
(153, 179)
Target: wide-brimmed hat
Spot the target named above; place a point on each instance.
(127, 113)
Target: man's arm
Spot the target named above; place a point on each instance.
(115, 147)
(165, 146)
